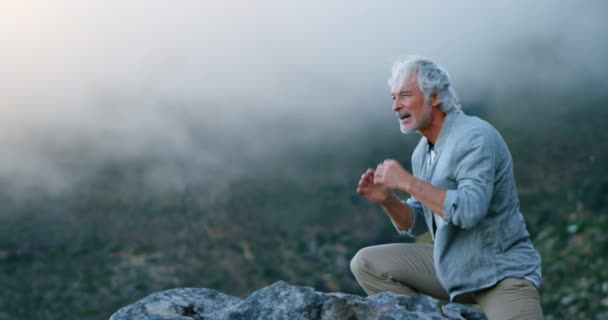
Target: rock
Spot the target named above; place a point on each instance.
(284, 301)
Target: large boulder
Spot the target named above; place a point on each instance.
(284, 301)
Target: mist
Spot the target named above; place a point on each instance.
(197, 88)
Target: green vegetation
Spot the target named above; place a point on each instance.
(112, 240)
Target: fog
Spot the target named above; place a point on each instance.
(198, 86)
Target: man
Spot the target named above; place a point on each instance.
(463, 192)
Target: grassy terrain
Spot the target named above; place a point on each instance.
(112, 240)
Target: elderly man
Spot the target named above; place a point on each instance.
(462, 192)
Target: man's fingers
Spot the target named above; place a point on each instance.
(378, 179)
(380, 169)
(367, 176)
(367, 179)
(364, 178)
(362, 190)
(363, 183)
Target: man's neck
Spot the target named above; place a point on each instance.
(432, 131)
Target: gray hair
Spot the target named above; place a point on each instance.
(432, 78)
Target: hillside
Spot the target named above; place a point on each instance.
(291, 215)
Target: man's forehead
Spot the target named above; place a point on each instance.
(409, 85)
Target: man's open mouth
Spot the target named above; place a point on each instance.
(403, 116)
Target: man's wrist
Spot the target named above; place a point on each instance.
(390, 200)
(407, 185)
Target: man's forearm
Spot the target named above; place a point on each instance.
(429, 195)
(400, 213)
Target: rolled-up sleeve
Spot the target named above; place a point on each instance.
(418, 226)
(475, 174)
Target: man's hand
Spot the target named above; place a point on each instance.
(374, 192)
(392, 175)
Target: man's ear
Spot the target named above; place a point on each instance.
(435, 99)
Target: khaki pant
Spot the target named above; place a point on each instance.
(407, 268)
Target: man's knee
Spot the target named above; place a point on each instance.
(358, 263)
(368, 260)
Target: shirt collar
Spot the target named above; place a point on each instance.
(444, 132)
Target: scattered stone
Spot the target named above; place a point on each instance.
(284, 301)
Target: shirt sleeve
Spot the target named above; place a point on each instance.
(475, 174)
(418, 224)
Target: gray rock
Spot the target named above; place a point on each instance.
(284, 301)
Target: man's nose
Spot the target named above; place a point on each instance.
(396, 105)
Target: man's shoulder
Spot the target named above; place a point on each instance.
(471, 127)
(467, 123)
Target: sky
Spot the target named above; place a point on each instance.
(83, 83)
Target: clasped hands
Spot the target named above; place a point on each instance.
(377, 185)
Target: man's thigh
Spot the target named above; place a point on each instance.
(407, 263)
(511, 298)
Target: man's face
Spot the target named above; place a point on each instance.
(409, 105)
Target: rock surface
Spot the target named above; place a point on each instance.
(284, 301)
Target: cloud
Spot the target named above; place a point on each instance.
(86, 83)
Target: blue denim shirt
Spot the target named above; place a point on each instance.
(484, 238)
